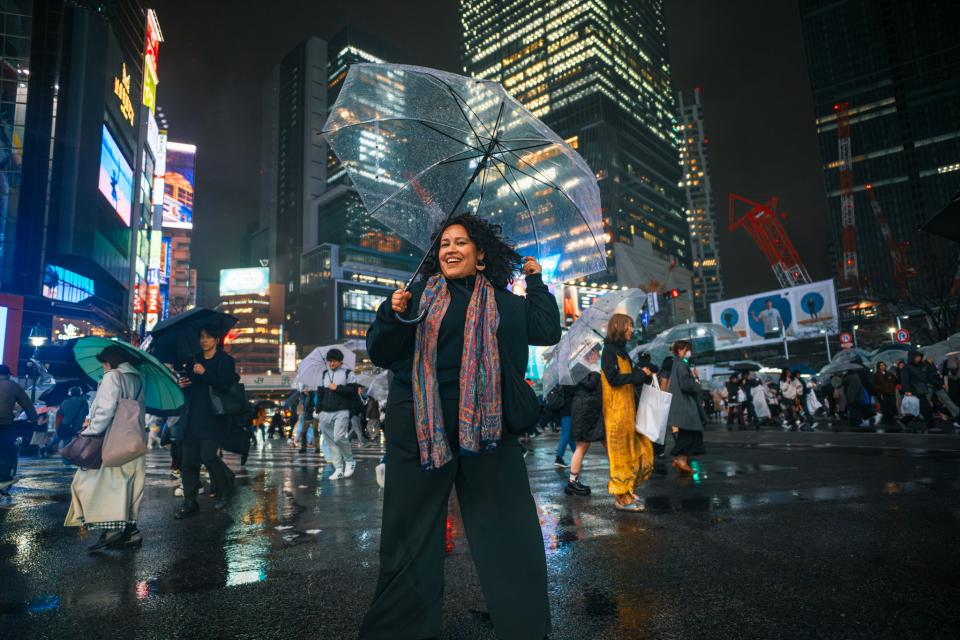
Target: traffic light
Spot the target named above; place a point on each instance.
(675, 293)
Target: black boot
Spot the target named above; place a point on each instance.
(187, 510)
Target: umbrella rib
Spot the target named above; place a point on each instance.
(392, 118)
(443, 133)
(533, 146)
(408, 183)
(523, 200)
(546, 181)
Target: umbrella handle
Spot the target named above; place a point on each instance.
(410, 321)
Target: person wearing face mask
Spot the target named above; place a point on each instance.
(451, 422)
(686, 416)
(630, 453)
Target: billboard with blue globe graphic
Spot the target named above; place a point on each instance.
(805, 311)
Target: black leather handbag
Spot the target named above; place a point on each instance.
(521, 409)
(231, 403)
(84, 451)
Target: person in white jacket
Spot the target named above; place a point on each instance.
(791, 391)
(109, 498)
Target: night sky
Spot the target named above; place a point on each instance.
(745, 55)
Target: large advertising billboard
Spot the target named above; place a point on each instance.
(251, 281)
(805, 311)
(178, 187)
(116, 177)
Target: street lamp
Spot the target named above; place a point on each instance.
(892, 331)
(855, 327)
(37, 338)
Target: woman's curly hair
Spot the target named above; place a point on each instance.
(501, 259)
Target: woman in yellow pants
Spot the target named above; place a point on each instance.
(630, 453)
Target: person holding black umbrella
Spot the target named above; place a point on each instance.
(212, 369)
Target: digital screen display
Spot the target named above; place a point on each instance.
(252, 281)
(178, 185)
(116, 177)
(68, 286)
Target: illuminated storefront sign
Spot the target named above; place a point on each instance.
(150, 54)
(121, 89)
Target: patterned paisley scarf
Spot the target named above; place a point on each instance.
(480, 409)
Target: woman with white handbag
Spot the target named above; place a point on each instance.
(686, 411)
(108, 498)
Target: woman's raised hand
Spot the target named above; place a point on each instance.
(400, 299)
(531, 266)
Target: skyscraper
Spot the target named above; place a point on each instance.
(701, 212)
(335, 261)
(597, 73)
(293, 168)
(888, 72)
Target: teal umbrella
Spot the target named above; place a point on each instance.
(162, 391)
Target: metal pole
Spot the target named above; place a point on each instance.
(826, 341)
(854, 337)
(898, 323)
(786, 349)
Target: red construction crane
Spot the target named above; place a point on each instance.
(851, 271)
(899, 251)
(763, 224)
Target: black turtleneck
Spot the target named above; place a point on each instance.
(450, 340)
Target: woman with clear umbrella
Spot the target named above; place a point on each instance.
(630, 453)
(447, 425)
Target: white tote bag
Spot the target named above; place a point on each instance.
(653, 412)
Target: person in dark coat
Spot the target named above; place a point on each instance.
(11, 395)
(70, 416)
(686, 416)
(586, 427)
(734, 409)
(853, 390)
(444, 383)
(915, 381)
(885, 386)
(566, 437)
(212, 369)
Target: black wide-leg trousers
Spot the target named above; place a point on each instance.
(502, 527)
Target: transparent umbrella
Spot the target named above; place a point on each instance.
(422, 145)
(698, 330)
(310, 371)
(940, 351)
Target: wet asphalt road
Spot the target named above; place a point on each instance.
(779, 535)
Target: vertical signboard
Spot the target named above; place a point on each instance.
(178, 188)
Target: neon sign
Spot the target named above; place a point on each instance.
(121, 89)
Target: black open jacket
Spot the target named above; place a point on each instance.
(533, 320)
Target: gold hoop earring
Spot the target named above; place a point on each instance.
(481, 265)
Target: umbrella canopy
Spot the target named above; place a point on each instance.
(890, 353)
(177, 339)
(311, 369)
(160, 385)
(379, 388)
(625, 301)
(693, 331)
(946, 222)
(55, 395)
(422, 145)
(840, 367)
(940, 351)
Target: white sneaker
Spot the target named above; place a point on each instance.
(336, 475)
(381, 474)
(178, 492)
(349, 469)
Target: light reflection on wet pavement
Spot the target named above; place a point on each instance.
(764, 517)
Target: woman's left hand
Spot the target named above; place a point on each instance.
(531, 266)
(199, 369)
